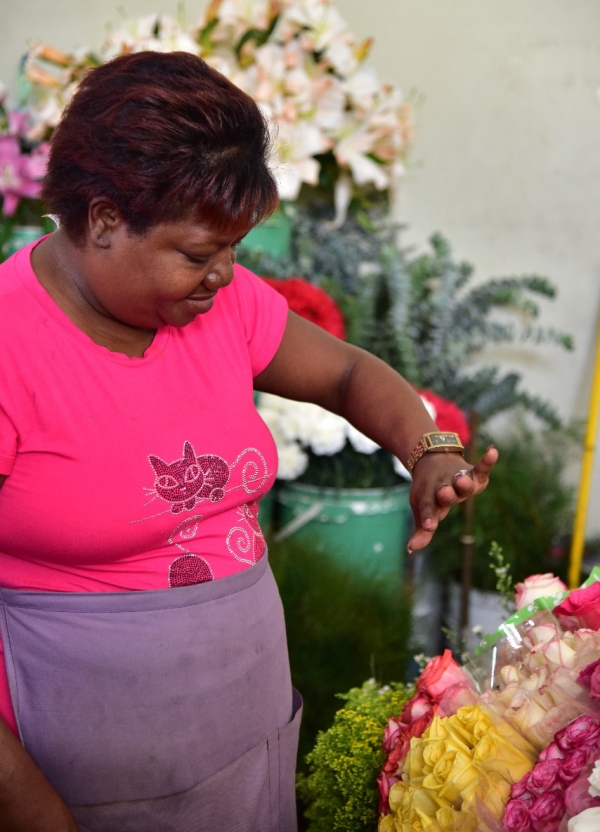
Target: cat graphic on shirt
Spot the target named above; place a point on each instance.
(191, 479)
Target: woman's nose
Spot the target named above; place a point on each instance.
(221, 273)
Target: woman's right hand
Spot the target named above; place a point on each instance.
(28, 803)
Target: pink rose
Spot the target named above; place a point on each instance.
(582, 732)
(537, 586)
(590, 679)
(391, 733)
(440, 674)
(577, 796)
(574, 764)
(543, 776)
(547, 811)
(581, 608)
(520, 788)
(516, 817)
(415, 708)
(553, 752)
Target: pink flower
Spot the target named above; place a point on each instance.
(521, 788)
(547, 811)
(537, 586)
(574, 764)
(577, 796)
(582, 732)
(440, 674)
(517, 817)
(553, 752)
(543, 776)
(19, 173)
(581, 608)
(590, 679)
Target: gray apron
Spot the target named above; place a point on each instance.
(159, 711)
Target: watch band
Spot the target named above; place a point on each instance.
(435, 442)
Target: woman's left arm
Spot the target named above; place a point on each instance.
(311, 365)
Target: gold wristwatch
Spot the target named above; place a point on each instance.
(435, 443)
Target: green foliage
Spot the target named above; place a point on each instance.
(340, 788)
(504, 581)
(350, 469)
(419, 313)
(342, 628)
(526, 508)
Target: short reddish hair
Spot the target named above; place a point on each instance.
(162, 135)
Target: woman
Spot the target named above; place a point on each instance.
(132, 458)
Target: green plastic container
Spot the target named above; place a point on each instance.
(21, 235)
(273, 236)
(364, 529)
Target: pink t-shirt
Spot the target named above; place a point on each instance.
(131, 473)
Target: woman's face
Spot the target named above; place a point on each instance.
(166, 277)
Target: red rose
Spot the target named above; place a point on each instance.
(590, 679)
(516, 817)
(310, 303)
(582, 607)
(547, 811)
(440, 674)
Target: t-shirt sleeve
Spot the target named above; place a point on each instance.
(8, 443)
(263, 313)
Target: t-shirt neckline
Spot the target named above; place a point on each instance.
(30, 281)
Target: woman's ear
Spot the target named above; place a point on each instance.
(104, 219)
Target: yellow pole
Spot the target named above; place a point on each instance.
(585, 480)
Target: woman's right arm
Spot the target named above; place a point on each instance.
(28, 803)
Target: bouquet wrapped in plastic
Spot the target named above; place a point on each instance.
(511, 742)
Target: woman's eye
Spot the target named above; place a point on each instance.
(196, 260)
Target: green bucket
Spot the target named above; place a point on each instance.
(273, 236)
(364, 529)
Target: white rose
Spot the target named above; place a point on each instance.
(586, 821)
(537, 586)
(594, 779)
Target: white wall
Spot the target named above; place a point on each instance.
(506, 158)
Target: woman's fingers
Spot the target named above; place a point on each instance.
(481, 471)
(467, 481)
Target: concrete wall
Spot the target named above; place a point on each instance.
(506, 159)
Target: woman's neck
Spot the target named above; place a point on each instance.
(58, 263)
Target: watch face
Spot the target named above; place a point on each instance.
(439, 440)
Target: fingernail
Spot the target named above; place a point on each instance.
(491, 447)
(409, 550)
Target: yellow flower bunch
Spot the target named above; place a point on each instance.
(457, 774)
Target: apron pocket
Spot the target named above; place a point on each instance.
(283, 750)
(255, 793)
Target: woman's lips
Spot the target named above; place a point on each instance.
(200, 303)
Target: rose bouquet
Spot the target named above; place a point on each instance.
(520, 750)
